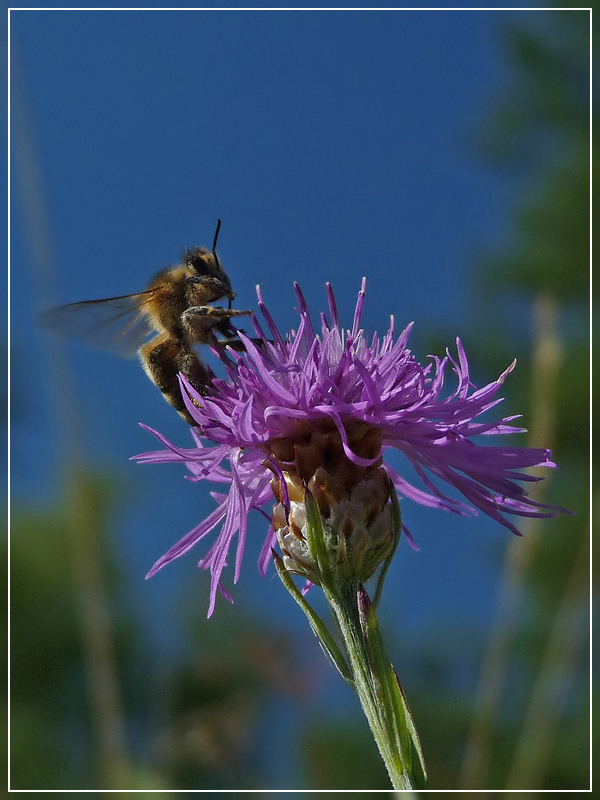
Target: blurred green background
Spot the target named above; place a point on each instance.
(244, 701)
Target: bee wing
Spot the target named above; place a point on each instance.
(117, 324)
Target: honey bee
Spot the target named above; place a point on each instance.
(176, 308)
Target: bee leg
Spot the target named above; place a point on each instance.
(212, 288)
(199, 321)
(163, 358)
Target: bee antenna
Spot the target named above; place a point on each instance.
(214, 247)
(214, 250)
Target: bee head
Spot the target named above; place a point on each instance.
(202, 262)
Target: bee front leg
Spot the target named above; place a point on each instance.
(200, 321)
(163, 358)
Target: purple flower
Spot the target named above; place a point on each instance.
(333, 403)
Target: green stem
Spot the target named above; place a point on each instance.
(377, 687)
(319, 628)
(366, 665)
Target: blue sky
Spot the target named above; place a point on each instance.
(333, 145)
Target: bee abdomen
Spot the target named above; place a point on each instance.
(163, 358)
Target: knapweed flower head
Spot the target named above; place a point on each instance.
(318, 411)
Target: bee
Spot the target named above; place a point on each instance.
(176, 308)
